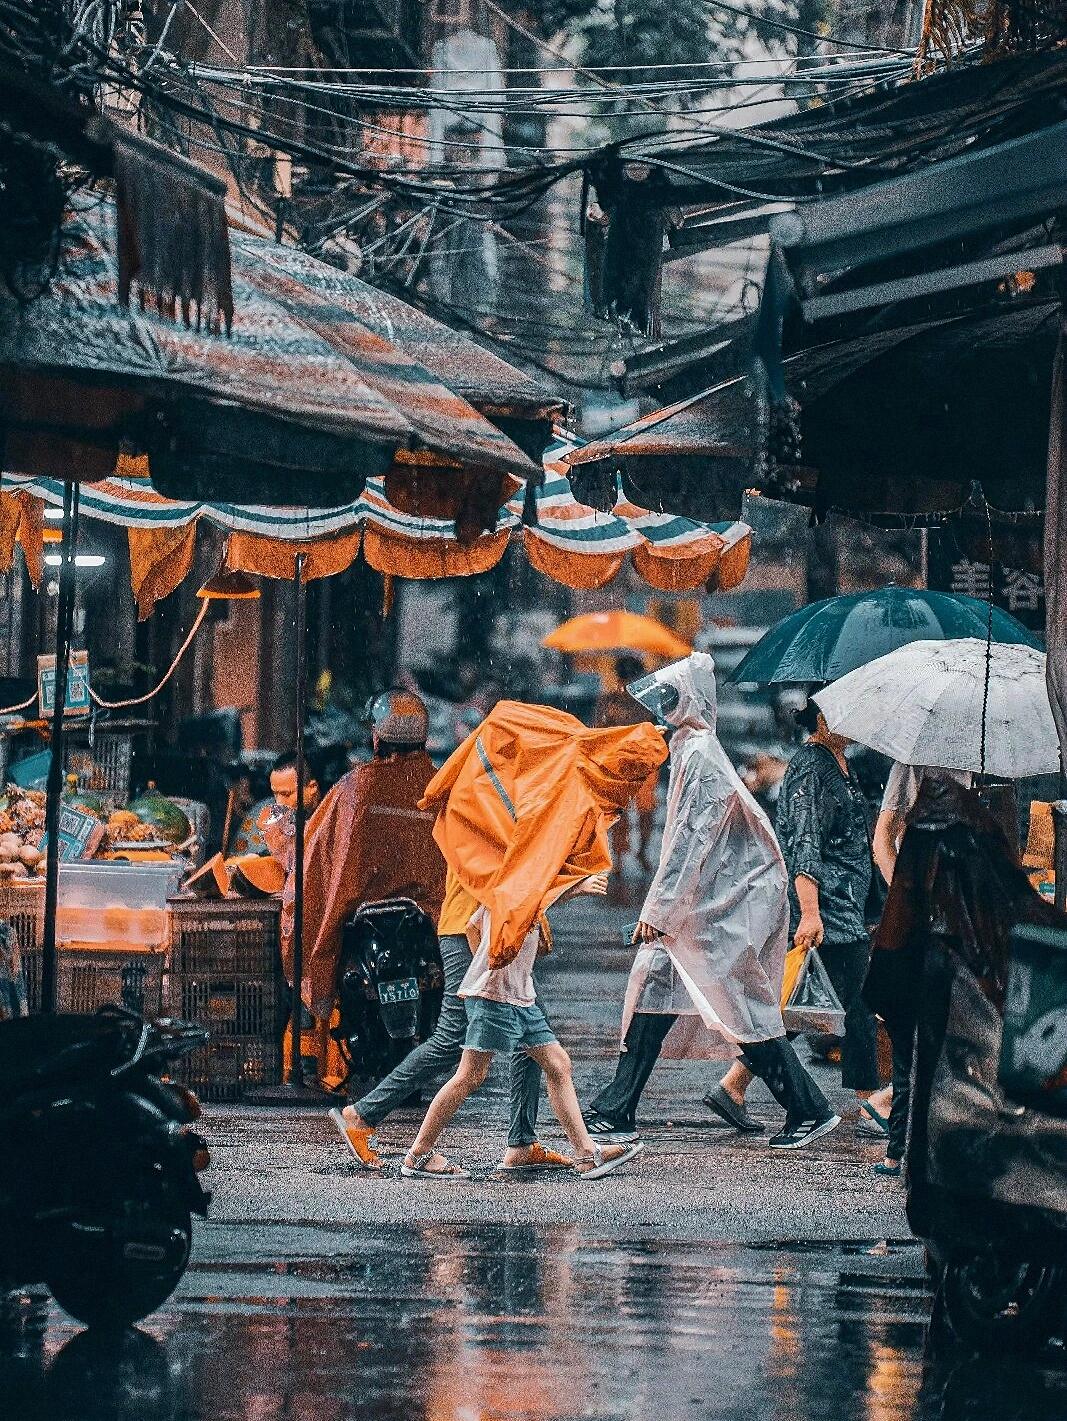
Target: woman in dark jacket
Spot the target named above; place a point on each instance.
(822, 826)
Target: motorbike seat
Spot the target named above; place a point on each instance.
(36, 1048)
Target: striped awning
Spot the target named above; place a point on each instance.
(569, 541)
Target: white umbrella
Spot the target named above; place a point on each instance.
(923, 705)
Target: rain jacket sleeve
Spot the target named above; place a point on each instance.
(693, 825)
(800, 824)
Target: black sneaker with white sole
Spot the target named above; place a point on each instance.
(601, 1127)
(806, 1132)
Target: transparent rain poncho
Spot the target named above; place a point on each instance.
(719, 894)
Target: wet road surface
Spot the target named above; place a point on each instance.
(522, 1323)
(319, 1293)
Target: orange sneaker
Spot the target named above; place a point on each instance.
(360, 1139)
(539, 1159)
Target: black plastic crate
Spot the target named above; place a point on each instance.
(225, 974)
(103, 763)
(90, 978)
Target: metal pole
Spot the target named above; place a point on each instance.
(296, 1063)
(64, 623)
(1059, 842)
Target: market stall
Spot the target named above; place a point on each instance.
(123, 932)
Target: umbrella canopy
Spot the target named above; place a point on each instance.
(830, 638)
(616, 631)
(923, 705)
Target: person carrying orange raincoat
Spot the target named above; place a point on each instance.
(524, 810)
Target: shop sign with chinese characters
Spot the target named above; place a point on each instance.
(1018, 589)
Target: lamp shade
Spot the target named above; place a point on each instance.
(229, 587)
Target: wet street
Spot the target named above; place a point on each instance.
(711, 1280)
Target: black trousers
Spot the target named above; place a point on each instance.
(903, 1051)
(846, 965)
(775, 1062)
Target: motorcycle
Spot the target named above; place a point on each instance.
(99, 1163)
(390, 983)
(987, 1148)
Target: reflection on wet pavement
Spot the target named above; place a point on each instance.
(490, 1323)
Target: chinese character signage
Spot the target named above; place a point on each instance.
(77, 684)
(1019, 590)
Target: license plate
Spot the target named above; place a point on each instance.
(404, 990)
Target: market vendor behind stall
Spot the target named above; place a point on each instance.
(265, 844)
(367, 841)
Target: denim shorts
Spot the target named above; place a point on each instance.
(499, 1026)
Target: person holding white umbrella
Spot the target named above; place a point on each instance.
(945, 710)
(902, 789)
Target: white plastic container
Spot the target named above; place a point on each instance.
(101, 884)
(120, 905)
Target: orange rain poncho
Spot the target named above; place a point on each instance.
(366, 841)
(525, 805)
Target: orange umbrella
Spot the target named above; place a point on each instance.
(617, 631)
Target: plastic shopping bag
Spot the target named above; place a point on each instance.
(813, 1004)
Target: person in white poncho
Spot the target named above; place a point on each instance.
(707, 978)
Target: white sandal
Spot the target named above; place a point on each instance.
(417, 1168)
(602, 1166)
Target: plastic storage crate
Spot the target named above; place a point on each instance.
(22, 907)
(88, 977)
(102, 759)
(92, 977)
(225, 974)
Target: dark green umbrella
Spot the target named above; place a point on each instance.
(840, 634)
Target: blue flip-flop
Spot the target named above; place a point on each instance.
(879, 1123)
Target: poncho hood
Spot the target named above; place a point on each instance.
(696, 701)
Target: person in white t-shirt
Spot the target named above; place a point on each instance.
(901, 791)
(503, 1016)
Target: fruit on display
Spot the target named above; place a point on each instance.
(125, 827)
(257, 875)
(166, 817)
(21, 830)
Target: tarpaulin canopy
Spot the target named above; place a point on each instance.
(693, 457)
(309, 388)
(571, 543)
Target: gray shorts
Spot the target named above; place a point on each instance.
(499, 1026)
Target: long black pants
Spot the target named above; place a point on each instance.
(903, 1051)
(846, 965)
(775, 1062)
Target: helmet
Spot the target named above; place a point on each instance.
(399, 718)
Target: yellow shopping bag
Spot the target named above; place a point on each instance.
(794, 961)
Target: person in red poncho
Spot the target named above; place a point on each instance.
(368, 840)
(526, 804)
